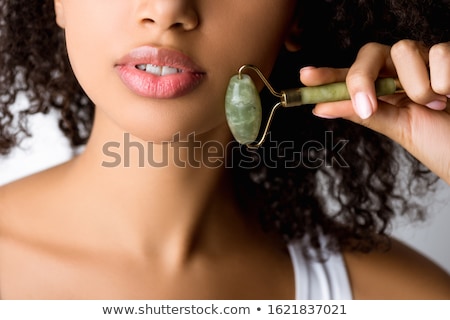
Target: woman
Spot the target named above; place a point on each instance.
(157, 71)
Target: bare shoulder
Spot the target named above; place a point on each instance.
(10, 199)
(17, 193)
(25, 210)
(15, 203)
(399, 273)
(22, 200)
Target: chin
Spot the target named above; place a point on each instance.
(160, 132)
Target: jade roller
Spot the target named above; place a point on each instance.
(243, 104)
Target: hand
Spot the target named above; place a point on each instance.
(418, 119)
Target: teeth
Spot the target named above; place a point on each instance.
(153, 69)
(168, 70)
(158, 70)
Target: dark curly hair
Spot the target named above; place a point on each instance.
(350, 194)
(34, 62)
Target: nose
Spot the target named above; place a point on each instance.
(169, 14)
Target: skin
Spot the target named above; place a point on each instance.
(163, 233)
(153, 233)
(413, 119)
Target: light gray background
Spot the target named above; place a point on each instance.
(48, 148)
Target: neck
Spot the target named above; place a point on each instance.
(157, 196)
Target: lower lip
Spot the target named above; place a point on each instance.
(158, 87)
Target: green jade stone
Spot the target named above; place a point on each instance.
(243, 109)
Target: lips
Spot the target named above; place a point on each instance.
(159, 73)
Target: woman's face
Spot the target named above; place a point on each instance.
(156, 68)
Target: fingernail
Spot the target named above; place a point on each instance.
(306, 69)
(323, 115)
(363, 106)
(448, 96)
(437, 105)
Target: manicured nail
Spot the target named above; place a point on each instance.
(323, 115)
(363, 106)
(306, 69)
(437, 105)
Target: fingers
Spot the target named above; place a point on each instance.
(371, 59)
(411, 62)
(417, 119)
(420, 130)
(311, 76)
(386, 120)
(440, 68)
(333, 110)
(424, 74)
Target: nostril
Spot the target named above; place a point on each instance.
(174, 26)
(170, 19)
(147, 20)
(177, 25)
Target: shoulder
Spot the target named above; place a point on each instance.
(34, 186)
(25, 219)
(24, 201)
(17, 194)
(8, 198)
(15, 203)
(398, 273)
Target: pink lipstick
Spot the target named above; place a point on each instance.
(159, 73)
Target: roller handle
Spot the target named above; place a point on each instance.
(332, 92)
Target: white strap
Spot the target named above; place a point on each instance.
(314, 280)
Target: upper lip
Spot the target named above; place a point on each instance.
(159, 57)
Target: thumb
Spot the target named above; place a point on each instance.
(421, 131)
(387, 120)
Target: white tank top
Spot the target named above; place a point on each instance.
(319, 280)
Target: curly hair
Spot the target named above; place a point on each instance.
(34, 62)
(355, 191)
(352, 181)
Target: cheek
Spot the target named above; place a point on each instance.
(222, 46)
(91, 54)
(250, 37)
(90, 33)
(84, 55)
